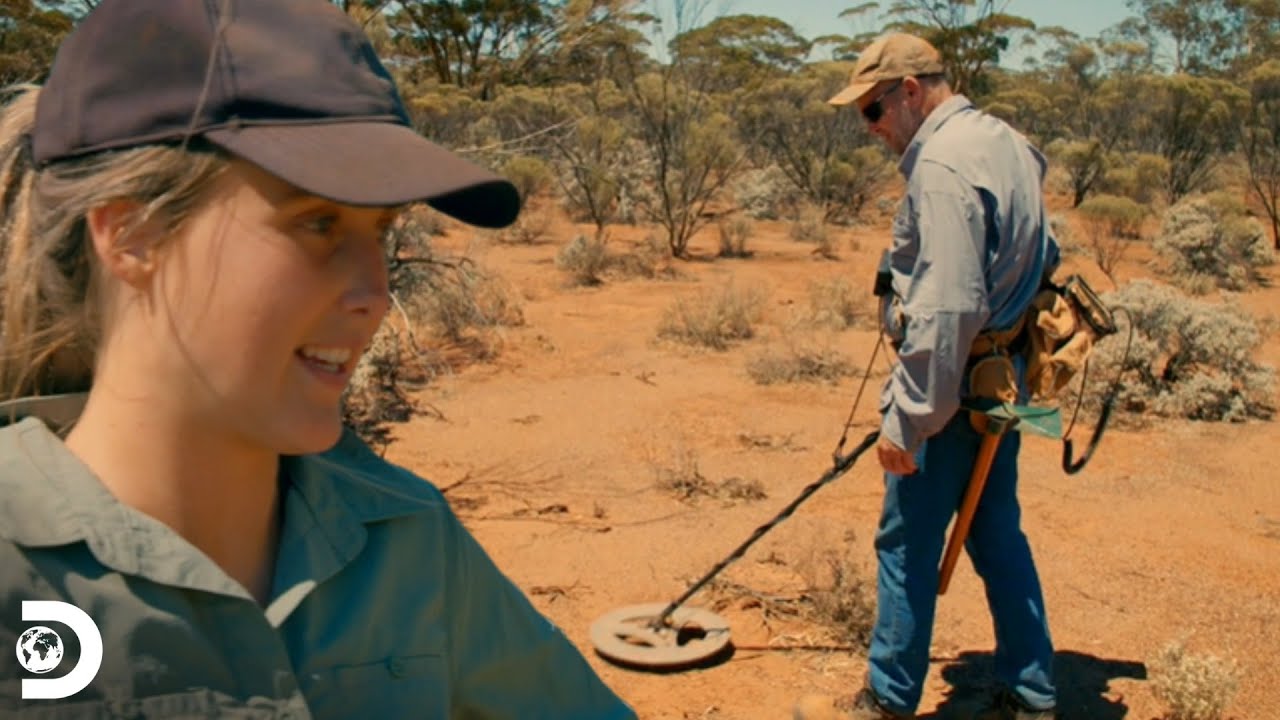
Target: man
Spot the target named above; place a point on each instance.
(970, 247)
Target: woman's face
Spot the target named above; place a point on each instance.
(260, 307)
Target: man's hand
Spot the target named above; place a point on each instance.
(894, 459)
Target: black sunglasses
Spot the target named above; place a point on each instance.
(874, 111)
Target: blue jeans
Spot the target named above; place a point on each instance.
(909, 543)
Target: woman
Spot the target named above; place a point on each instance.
(193, 206)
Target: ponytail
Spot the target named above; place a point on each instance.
(50, 319)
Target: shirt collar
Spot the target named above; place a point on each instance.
(936, 119)
(49, 498)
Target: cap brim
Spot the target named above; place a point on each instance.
(851, 93)
(375, 164)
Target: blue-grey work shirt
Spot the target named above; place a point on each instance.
(971, 244)
(383, 605)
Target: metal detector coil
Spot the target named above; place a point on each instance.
(668, 635)
(689, 636)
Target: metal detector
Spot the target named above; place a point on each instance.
(654, 636)
(666, 637)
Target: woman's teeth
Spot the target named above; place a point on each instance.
(332, 359)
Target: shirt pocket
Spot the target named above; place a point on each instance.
(395, 686)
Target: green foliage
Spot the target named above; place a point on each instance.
(1110, 222)
(828, 156)
(1189, 122)
(1118, 216)
(29, 37)
(1137, 176)
(738, 51)
(1084, 161)
(531, 175)
(971, 35)
(691, 148)
(1260, 139)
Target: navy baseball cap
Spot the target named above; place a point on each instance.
(292, 86)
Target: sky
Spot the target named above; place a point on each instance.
(812, 18)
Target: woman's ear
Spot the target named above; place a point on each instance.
(125, 248)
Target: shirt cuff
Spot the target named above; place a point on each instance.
(897, 428)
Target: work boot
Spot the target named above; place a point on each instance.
(1006, 705)
(862, 706)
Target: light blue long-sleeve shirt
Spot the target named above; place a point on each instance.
(971, 244)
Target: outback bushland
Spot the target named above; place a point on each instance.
(651, 141)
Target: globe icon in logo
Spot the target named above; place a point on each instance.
(39, 650)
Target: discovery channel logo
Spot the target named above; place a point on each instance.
(40, 650)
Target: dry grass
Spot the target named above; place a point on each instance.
(532, 227)
(713, 320)
(1195, 687)
(798, 358)
(839, 597)
(811, 227)
(735, 233)
(584, 260)
(677, 472)
(648, 260)
(437, 297)
(836, 304)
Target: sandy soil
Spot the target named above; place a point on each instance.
(551, 451)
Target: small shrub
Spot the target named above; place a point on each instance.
(1195, 687)
(810, 226)
(531, 175)
(465, 297)
(796, 360)
(375, 397)
(1207, 243)
(585, 260)
(435, 295)
(650, 260)
(682, 477)
(1117, 216)
(713, 320)
(835, 304)
(1110, 223)
(765, 193)
(1137, 176)
(530, 228)
(844, 602)
(734, 234)
(1190, 359)
(736, 488)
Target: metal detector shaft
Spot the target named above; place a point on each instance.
(840, 467)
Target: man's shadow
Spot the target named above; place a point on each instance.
(1083, 682)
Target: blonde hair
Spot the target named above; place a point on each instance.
(49, 311)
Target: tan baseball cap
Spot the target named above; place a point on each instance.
(891, 56)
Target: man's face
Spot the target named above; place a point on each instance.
(890, 110)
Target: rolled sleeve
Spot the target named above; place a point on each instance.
(946, 305)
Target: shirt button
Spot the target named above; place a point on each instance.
(396, 667)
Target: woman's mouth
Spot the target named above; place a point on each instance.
(331, 364)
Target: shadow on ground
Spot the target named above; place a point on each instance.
(1084, 684)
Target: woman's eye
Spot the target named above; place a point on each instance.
(319, 224)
